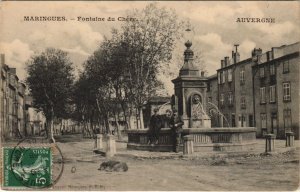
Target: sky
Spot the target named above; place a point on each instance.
(214, 23)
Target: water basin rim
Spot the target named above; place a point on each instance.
(201, 130)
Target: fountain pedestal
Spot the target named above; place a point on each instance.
(204, 139)
(188, 145)
(204, 122)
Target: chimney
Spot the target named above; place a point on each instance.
(227, 61)
(2, 59)
(236, 55)
(256, 52)
(269, 55)
(202, 73)
(222, 64)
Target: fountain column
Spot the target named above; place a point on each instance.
(188, 84)
(184, 112)
(221, 121)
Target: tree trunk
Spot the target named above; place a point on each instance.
(107, 124)
(60, 127)
(126, 122)
(47, 128)
(91, 127)
(129, 122)
(118, 127)
(87, 129)
(52, 125)
(125, 118)
(140, 119)
(103, 128)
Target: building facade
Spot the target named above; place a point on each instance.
(212, 99)
(276, 89)
(12, 103)
(4, 98)
(261, 91)
(235, 83)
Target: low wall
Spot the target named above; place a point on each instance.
(208, 139)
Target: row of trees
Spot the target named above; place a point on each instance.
(121, 74)
(118, 78)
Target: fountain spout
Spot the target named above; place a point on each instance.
(219, 112)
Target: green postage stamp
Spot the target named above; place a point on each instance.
(27, 167)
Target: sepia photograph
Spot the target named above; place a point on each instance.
(149, 95)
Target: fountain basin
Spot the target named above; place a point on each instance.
(205, 139)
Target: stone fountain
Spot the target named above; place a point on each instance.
(190, 93)
(190, 101)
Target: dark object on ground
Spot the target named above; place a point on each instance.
(113, 166)
(99, 152)
(219, 162)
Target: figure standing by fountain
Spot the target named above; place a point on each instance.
(176, 129)
(154, 127)
(167, 118)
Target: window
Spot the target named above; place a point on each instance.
(274, 126)
(242, 121)
(286, 68)
(272, 69)
(230, 98)
(222, 77)
(286, 91)
(222, 99)
(272, 93)
(262, 72)
(229, 75)
(219, 78)
(242, 76)
(208, 87)
(287, 119)
(251, 121)
(263, 120)
(262, 92)
(243, 103)
(233, 120)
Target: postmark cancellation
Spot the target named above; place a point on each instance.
(28, 167)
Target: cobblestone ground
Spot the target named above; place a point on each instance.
(251, 170)
(162, 171)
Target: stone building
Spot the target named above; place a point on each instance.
(261, 91)
(235, 90)
(3, 97)
(12, 104)
(212, 99)
(34, 119)
(276, 91)
(21, 109)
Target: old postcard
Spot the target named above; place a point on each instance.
(149, 96)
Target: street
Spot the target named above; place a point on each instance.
(169, 171)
